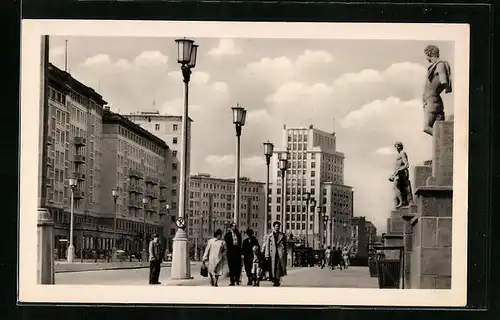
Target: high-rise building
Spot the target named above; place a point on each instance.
(134, 164)
(211, 207)
(315, 166)
(337, 205)
(169, 129)
(364, 237)
(74, 151)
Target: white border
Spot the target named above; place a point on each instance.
(29, 291)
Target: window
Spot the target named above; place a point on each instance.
(174, 166)
(175, 127)
(157, 127)
(174, 140)
(174, 153)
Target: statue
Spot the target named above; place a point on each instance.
(401, 178)
(438, 80)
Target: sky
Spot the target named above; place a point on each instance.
(368, 92)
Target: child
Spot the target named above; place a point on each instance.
(256, 266)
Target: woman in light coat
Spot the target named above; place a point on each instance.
(213, 257)
(274, 249)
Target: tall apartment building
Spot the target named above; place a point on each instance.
(337, 205)
(211, 207)
(169, 129)
(314, 166)
(74, 151)
(134, 163)
(364, 236)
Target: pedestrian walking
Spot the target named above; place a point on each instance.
(256, 271)
(345, 257)
(275, 251)
(322, 256)
(248, 254)
(337, 257)
(233, 243)
(213, 257)
(328, 257)
(154, 260)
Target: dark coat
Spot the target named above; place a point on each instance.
(233, 249)
(246, 248)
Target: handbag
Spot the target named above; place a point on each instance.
(204, 270)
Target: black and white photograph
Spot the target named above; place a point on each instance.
(196, 162)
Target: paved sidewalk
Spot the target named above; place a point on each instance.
(62, 266)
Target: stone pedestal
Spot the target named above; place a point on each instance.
(181, 267)
(429, 222)
(392, 240)
(45, 261)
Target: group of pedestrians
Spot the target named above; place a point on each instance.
(335, 257)
(257, 260)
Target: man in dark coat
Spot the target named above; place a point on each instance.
(233, 243)
(247, 251)
(154, 260)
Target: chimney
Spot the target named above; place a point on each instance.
(107, 108)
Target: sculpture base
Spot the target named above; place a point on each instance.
(70, 254)
(113, 254)
(181, 267)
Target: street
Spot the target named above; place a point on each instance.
(354, 277)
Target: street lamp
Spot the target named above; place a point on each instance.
(186, 56)
(161, 214)
(71, 249)
(313, 210)
(283, 166)
(307, 196)
(144, 239)
(115, 195)
(239, 115)
(325, 232)
(268, 152)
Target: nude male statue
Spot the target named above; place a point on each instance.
(438, 80)
(401, 178)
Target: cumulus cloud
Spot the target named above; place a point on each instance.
(311, 57)
(97, 60)
(225, 47)
(385, 151)
(220, 159)
(151, 59)
(360, 116)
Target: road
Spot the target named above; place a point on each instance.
(354, 277)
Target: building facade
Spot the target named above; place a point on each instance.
(337, 205)
(74, 151)
(364, 237)
(169, 129)
(134, 164)
(211, 207)
(315, 166)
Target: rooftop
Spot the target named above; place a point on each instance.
(153, 115)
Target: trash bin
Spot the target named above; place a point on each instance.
(389, 268)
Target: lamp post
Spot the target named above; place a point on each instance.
(239, 115)
(186, 56)
(115, 194)
(325, 232)
(71, 249)
(268, 152)
(161, 214)
(283, 166)
(313, 210)
(308, 199)
(144, 239)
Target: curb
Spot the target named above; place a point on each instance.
(113, 268)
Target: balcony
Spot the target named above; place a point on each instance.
(149, 180)
(78, 194)
(49, 162)
(135, 174)
(151, 194)
(80, 141)
(162, 199)
(78, 158)
(80, 176)
(163, 185)
(50, 141)
(133, 204)
(134, 189)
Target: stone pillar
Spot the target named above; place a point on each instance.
(45, 230)
(431, 217)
